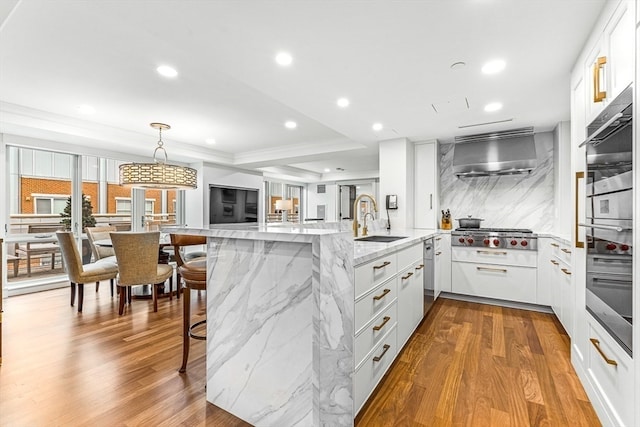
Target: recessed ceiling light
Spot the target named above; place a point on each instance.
(165, 70)
(377, 127)
(493, 67)
(493, 106)
(284, 59)
(290, 124)
(327, 170)
(210, 141)
(343, 102)
(86, 109)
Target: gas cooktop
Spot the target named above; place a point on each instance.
(503, 238)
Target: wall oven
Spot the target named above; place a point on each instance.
(609, 219)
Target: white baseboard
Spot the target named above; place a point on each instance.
(498, 302)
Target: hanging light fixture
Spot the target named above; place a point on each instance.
(159, 174)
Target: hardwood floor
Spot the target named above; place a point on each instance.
(480, 365)
(468, 364)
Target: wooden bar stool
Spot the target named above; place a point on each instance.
(194, 277)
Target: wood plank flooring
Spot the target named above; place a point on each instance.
(480, 365)
(468, 364)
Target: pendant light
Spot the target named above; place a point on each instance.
(159, 174)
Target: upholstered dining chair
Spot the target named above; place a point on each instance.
(194, 277)
(137, 256)
(100, 233)
(80, 274)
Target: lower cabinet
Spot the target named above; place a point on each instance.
(563, 298)
(506, 282)
(388, 308)
(610, 371)
(442, 254)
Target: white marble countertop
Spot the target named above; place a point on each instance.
(367, 251)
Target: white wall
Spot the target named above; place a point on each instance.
(328, 199)
(396, 177)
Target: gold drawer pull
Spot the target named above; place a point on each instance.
(384, 264)
(554, 262)
(566, 251)
(420, 267)
(385, 347)
(407, 276)
(492, 252)
(438, 238)
(382, 295)
(555, 245)
(565, 271)
(501, 270)
(385, 319)
(596, 344)
(598, 95)
(438, 253)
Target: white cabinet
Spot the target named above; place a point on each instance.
(388, 308)
(544, 294)
(610, 372)
(563, 296)
(442, 263)
(610, 62)
(426, 185)
(494, 273)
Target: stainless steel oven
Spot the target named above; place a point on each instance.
(609, 219)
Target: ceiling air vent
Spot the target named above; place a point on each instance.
(322, 188)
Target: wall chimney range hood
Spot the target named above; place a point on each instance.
(497, 153)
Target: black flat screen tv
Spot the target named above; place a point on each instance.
(229, 205)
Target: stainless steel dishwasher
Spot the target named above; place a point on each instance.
(429, 275)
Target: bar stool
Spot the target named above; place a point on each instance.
(194, 277)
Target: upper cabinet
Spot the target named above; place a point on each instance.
(426, 185)
(610, 63)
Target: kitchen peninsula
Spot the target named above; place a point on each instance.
(280, 320)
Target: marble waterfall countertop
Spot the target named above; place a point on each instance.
(280, 319)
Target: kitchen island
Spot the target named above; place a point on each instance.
(280, 321)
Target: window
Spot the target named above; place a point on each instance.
(49, 204)
(123, 205)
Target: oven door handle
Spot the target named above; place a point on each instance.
(605, 227)
(600, 129)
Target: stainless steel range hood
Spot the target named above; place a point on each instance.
(499, 153)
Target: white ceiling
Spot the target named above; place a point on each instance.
(390, 58)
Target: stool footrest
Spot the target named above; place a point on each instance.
(194, 335)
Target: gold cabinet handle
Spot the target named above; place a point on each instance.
(385, 319)
(420, 267)
(596, 344)
(492, 252)
(501, 270)
(407, 276)
(598, 95)
(438, 253)
(565, 271)
(579, 176)
(554, 262)
(566, 251)
(438, 238)
(383, 265)
(385, 348)
(555, 245)
(382, 295)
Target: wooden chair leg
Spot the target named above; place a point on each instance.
(111, 283)
(73, 293)
(28, 264)
(97, 286)
(53, 261)
(178, 285)
(80, 296)
(122, 293)
(171, 288)
(155, 290)
(186, 321)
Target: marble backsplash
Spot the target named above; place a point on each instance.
(510, 201)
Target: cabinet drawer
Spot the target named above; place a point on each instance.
(374, 331)
(409, 255)
(374, 302)
(374, 272)
(505, 282)
(613, 382)
(495, 256)
(373, 368)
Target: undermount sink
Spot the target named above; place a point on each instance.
(380, 239)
